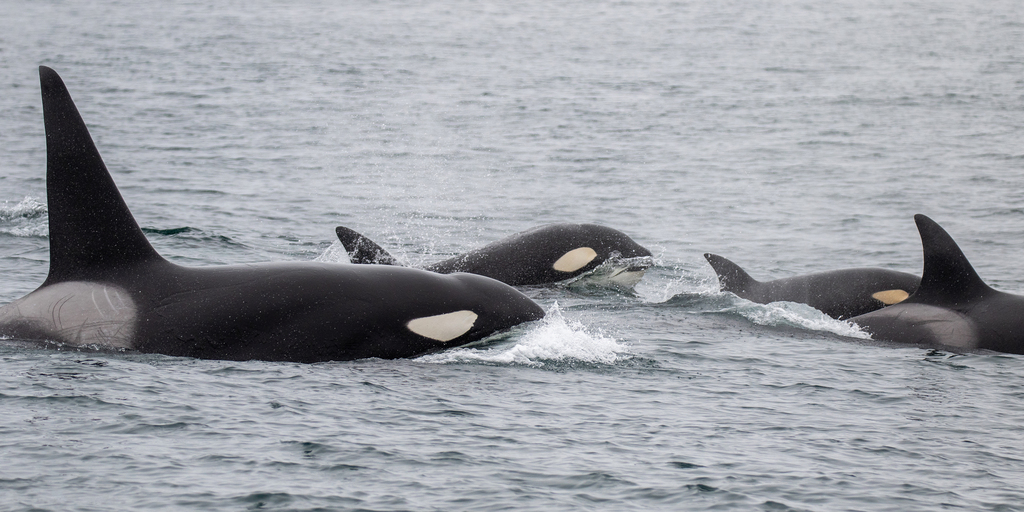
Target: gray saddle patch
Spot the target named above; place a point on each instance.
(77, 313)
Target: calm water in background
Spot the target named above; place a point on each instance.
(790, 136)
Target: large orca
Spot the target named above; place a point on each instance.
(108, 287)
(953, 308)
(839, 294)
(545, 254)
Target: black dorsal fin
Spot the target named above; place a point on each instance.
(948, 278)
(731, 277)
(92, 233)
(362, 250)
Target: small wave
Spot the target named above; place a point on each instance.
(194, 237)
(552, 340)
(792, 314)
(28, 208)
(167, 232)
(26, 219)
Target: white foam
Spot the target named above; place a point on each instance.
(796, 315)
(334, 254)
(552, 340)
(26, 219)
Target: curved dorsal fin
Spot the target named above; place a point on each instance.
(92, 232)
(948, 278)
(362, 250)
(731, 277)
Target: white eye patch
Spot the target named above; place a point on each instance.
(444, 327)
(890, 297)
(575, 259)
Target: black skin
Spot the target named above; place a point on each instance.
(309, 312)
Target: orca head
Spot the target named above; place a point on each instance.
(612, 256)
(612, 243)
(491, 307)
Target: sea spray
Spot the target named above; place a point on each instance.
(666, 282)
(552, 340)
(334, 254)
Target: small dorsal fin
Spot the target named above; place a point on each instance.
(731, 277)
(362, 250)
(92, 232)
(948, 278)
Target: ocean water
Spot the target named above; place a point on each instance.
(790, 136)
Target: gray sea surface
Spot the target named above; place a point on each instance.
(790, 136)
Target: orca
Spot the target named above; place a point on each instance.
(953, 308)
(542, 255)
(840, 294)
(108, 288)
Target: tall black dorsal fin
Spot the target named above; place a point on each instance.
(948, 278)
(731, 277)
(92, 233)
(362, 250)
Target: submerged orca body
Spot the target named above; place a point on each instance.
(840, 294)
(545, 254)
(953, 308)
(108, 287)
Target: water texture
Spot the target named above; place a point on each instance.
(790, 136)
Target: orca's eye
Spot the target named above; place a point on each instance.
(575, 259)
(444, 327)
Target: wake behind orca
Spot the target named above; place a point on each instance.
(953, 307)
(108, 287)
(840, 294)
(545, 254)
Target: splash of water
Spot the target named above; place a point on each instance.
(553, 340)
(665, 283)
(793, 314)
(25, 219)
(334, 254)
(616, 272)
